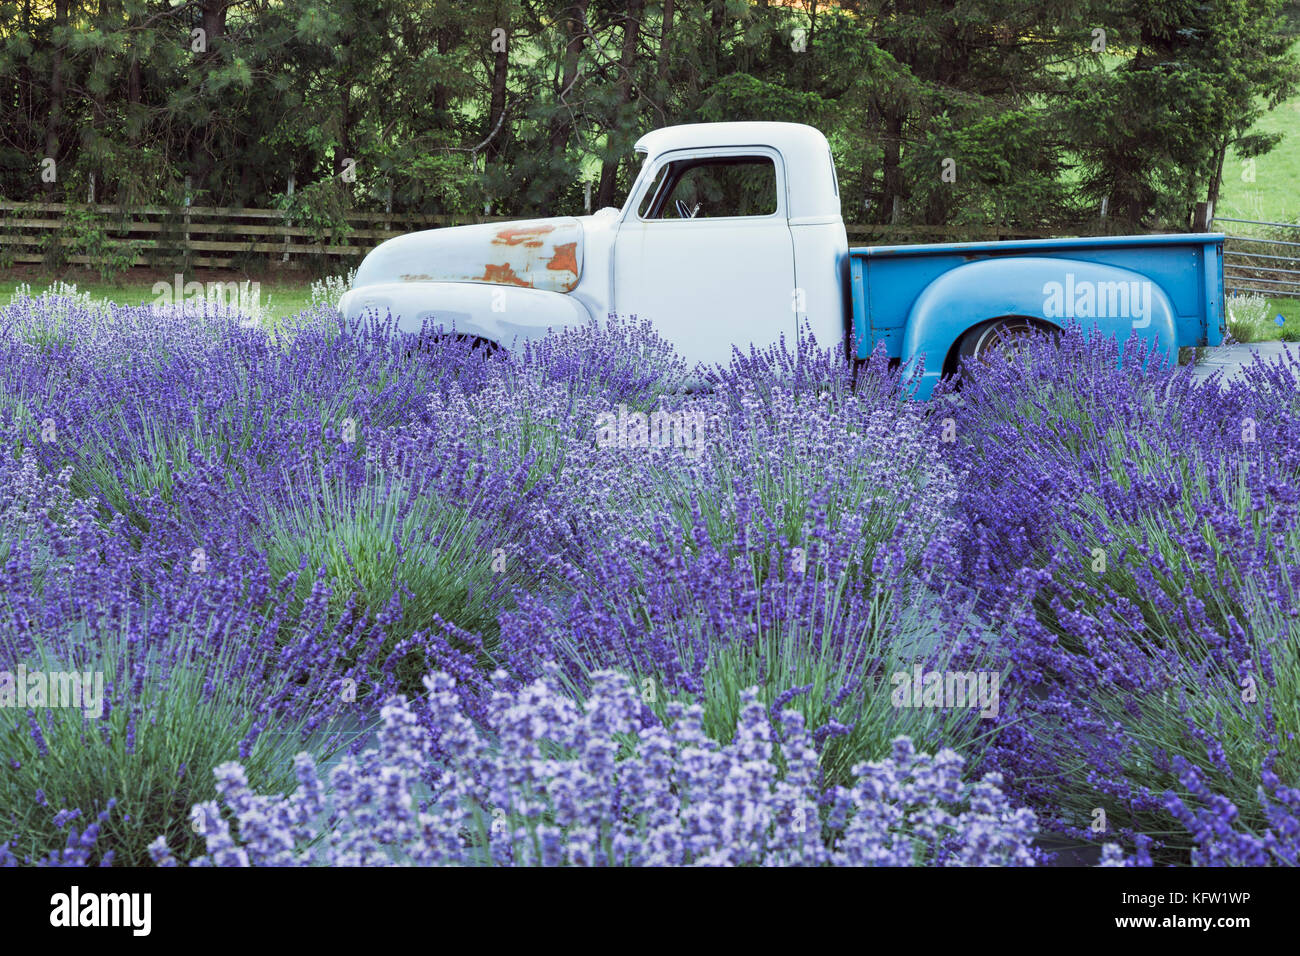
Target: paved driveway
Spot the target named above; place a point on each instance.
(1230, 359)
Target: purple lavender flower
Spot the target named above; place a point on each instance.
(548, 782)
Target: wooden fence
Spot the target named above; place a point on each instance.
(211, 237)
(203, 236)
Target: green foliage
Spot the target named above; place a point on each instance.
(1151, 136)
(390, 540)
(753, 98)
(85, 232)
(998, 171)
(191, 727)
(322, 209)
(445, 183)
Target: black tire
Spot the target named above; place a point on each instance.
(996, 335)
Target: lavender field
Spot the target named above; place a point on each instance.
(595, 619)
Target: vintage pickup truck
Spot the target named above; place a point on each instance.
(731, 237)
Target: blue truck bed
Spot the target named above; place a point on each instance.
(920, 299)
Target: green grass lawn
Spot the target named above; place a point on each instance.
(282, 297)
(1274, 196)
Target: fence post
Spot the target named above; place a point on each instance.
(288, 223)
(189, 183)
(1203, 216)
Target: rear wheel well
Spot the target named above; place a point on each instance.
(952, 360)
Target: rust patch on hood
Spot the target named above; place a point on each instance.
(541, 254)
(528, 235)
(502, 275)
(565, 258)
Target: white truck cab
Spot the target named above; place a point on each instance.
(731, 234)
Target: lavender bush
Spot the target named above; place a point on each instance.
(187, 672)
(552, 783)
(141, 457)
(383, 539)
(1134, 535)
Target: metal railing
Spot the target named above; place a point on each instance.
(1261, 264)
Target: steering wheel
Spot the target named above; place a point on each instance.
(685, 211)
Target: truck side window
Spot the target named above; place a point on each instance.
(713, 188)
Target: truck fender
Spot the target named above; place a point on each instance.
(1052, 291)
(505, 315)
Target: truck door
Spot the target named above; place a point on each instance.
(705, 252)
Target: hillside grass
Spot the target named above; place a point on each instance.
(1274, 196)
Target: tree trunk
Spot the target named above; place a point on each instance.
(806, 60)
(345, 105)
(1217, 181)
(54, 116)
(666, 40)
(631, 32)
(23, 92)
(717, 20)
(500, 74)
(98, 191)
(213, 21)
(133, 83)
(891, 167)
(562, 119)
(346, 146)
(440, 89)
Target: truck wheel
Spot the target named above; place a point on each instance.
(478, 343)
(1006, 335)
(425, 343)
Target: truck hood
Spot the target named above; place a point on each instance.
(531, 254)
